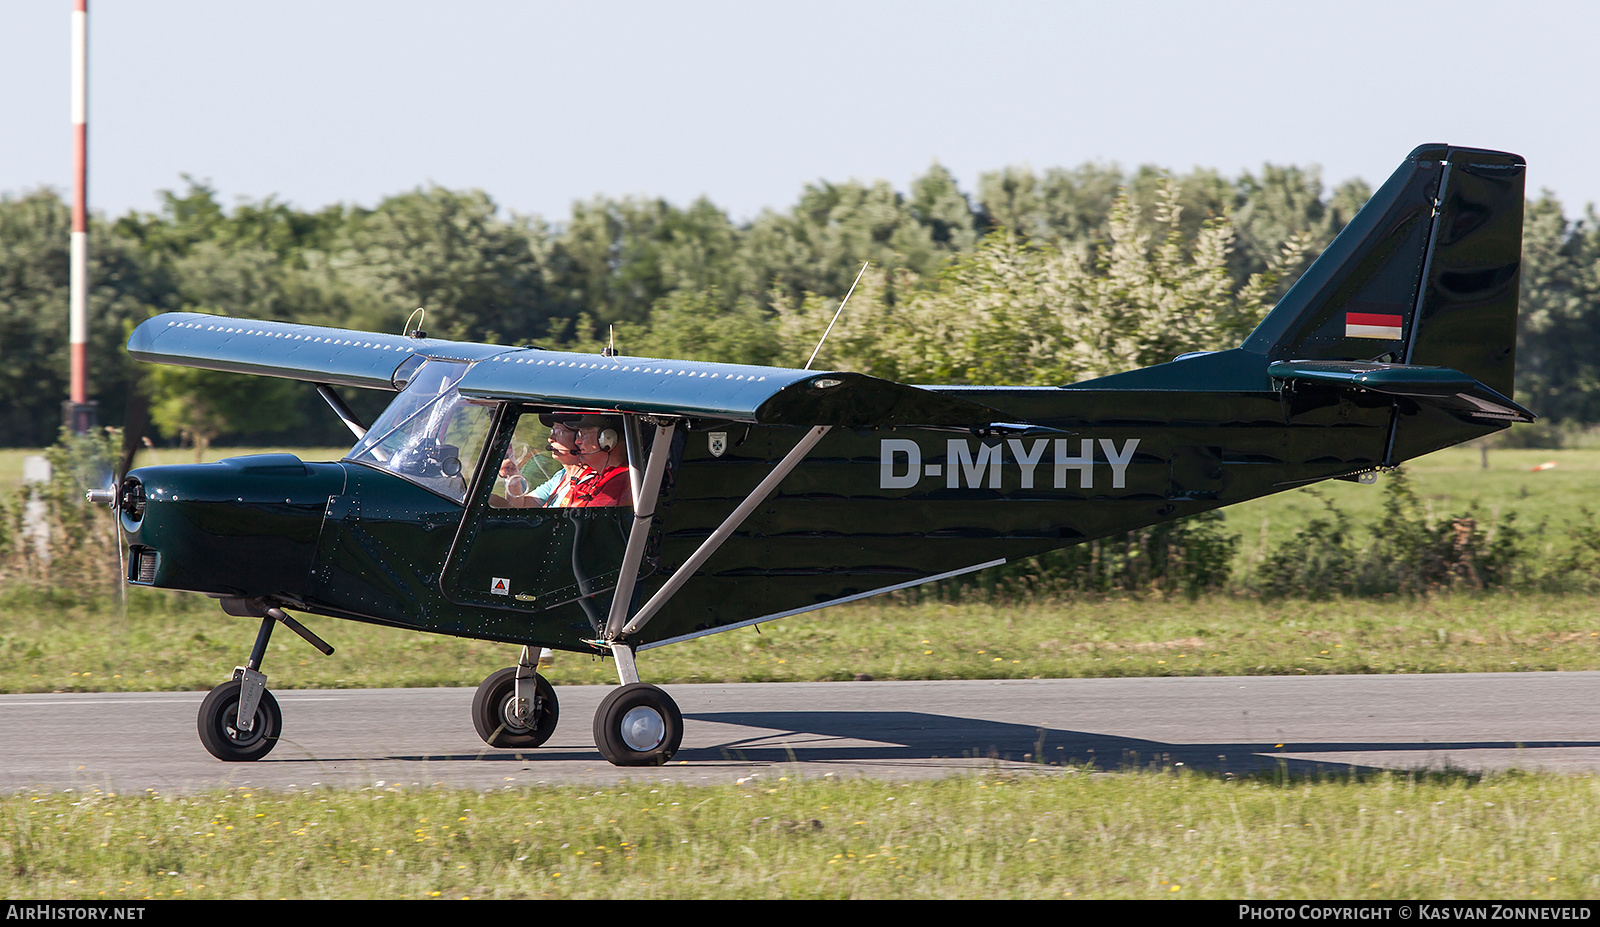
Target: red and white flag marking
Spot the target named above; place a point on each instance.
(1372, 325)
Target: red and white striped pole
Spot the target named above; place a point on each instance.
(80, 414)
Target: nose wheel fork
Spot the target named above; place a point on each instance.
(239, 720)
(226, 737)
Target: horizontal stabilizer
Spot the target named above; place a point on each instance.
(1436, 386)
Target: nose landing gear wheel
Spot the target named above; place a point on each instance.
(638, 725)
(219, 725)
(494, 712)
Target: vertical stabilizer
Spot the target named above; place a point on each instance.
(1425, 274)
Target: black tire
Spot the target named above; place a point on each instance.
(491, 712)
(638, 725)
(219, 731)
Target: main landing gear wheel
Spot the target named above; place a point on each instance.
(638, 725)
(219, 725)
(494, 712)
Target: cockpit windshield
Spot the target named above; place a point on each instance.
(430, 434)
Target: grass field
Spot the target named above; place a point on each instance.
(1062, 833)
(171, 641)
(1072, 834)
(1450, 482)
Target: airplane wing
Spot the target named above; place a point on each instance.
(758, 395)
(282, 349)
(736, 392)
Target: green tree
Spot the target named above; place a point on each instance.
(480, 276)
(1014, 312)
(1064, 205)
(819, 245)
(616, 259)
(938, 204)
(1284, 204)
(196, 406)
(261, 260)
(1558, 374)
(694, 324)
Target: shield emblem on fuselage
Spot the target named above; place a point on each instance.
(718, 441)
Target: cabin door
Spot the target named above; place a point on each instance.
(540, 530)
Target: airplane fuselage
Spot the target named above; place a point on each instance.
(865, 510)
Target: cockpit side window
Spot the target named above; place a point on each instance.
(531, 475)
(430, 435)
(563, 461)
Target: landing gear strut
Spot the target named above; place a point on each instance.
(516, 707)
(638, 724)
(240, 720)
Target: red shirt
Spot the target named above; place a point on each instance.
(610, 487)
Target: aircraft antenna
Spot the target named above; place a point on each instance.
(837, 313)
(610, 350)
(415, 332)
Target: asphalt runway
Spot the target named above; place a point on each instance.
(890, 730)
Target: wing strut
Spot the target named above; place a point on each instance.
(708, 547)
(336, 402)
(644, 512)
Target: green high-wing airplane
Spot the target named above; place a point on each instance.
(608, 504)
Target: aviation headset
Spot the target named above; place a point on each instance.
(608, 437)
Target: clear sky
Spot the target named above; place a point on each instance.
(540, 104)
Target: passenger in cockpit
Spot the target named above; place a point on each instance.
(552, 493)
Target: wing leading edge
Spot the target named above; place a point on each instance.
(737, 392)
